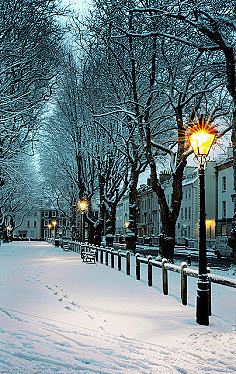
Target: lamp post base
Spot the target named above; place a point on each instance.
(202, 312)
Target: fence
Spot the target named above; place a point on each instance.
(103, 254)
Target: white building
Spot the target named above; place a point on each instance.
(225, 193)
(122, 214)
(28, 225)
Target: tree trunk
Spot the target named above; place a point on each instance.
(167, 240)
(111, 225)
(131, 235)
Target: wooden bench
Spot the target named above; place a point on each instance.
(89, 256)
(66, 246)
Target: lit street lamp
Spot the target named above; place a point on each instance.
(82, 205)
(8, 233)
(49, 230)
(209, 223)
(201, 137)
(54, 225)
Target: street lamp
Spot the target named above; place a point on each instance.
(49, 230)
(8, 233)
(127, 224)
(82, 205)
(201, 137)
(209, 223)
(54, 225)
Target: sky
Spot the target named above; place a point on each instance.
(60, 315)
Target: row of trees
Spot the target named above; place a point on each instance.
(117, 99)
(125, 100)
(31, 45)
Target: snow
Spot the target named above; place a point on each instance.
(60, 315)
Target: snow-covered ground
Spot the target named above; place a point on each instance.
(60, 315)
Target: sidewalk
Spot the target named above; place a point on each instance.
(61, 315)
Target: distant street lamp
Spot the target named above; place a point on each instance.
(209, 223)
(127, 224)
(201, 137)
(82, 205)
(54, 225)
(8, 233)
(49, 230)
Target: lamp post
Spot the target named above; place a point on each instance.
(127, 224)
(201, 137)
(54, 225)
(8, 233)
(49, 230)
(209, 223)
(82, 205)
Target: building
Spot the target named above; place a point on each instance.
(122, 214)
(225, 195)
(33, 225)
(28, 225)
(62, 227)
(187, 225)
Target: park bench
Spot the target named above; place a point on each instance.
(66, 246)
(89, 256)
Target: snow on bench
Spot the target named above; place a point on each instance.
(89, 256)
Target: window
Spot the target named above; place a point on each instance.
(54, 213)
(182, 214)
(189, 193)
(223, 184)
(223, 209)
(189, 213)
(35, 223)
(46, 213)
(46, 222)
(186, 213)
(28, 223)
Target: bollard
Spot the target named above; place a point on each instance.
(97, 249)
(183, 284)
(209, 297)
(82, 249)
(149, 271)
(128, 262)
(164, 277)
(106, 256)
(101, 255)
(189, 258)
(137, 266)
(119, 259)
(112, 258)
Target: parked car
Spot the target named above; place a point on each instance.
(222, 248)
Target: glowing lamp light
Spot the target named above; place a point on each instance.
(54, 223)
(83, 205)
(8, 228)
(201, 142)
(127, 224)
(49, 226)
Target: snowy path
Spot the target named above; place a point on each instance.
(59, 315)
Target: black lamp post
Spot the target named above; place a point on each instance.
(201, 137)
(82, 205)
(54, 225)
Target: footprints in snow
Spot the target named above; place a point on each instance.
(62, 297)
